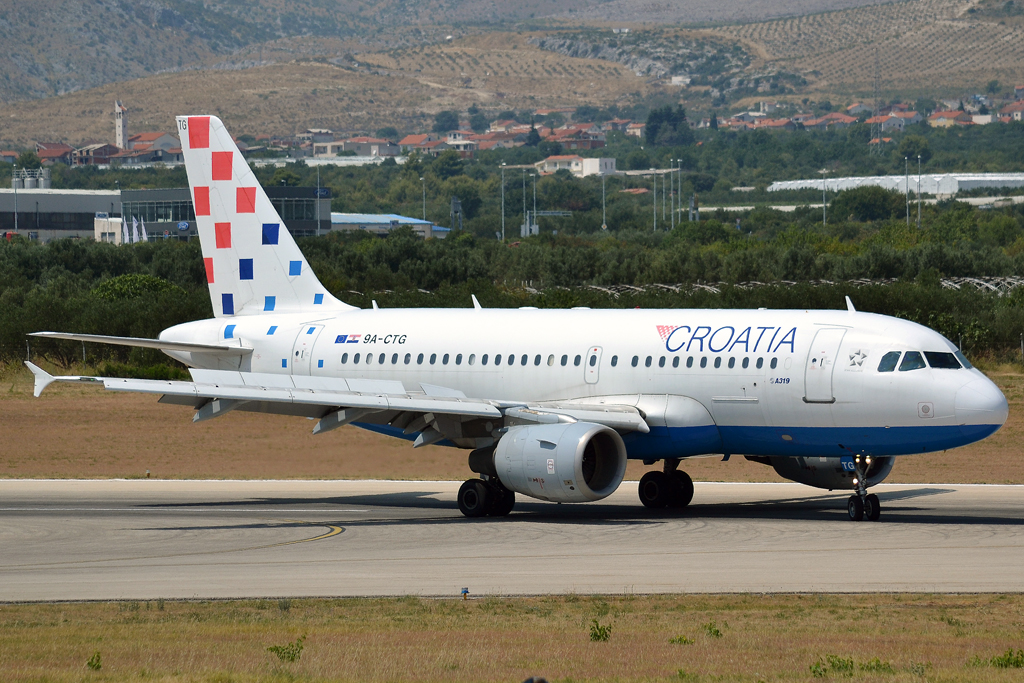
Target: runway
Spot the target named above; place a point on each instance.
(149, 539)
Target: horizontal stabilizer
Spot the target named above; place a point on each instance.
(146, 343)
(43, 379)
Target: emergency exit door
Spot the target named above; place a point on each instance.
(821, 362)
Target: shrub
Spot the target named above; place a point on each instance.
(289, 652)
(711, 630)
(681, 640)
(94, 662)
(1009, 660)
(599, 633)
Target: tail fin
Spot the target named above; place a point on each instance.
(252, 263)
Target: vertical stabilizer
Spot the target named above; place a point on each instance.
(252, 263)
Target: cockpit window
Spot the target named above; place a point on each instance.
(912, 361)
(889, 361)
(942, 361)
(963, 359)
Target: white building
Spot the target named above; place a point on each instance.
(936, 184)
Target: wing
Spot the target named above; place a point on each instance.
(425, 413)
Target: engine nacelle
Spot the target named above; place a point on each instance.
(562, 463)
(828, 472)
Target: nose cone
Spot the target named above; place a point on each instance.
(980, 403)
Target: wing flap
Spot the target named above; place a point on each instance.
(163, 345)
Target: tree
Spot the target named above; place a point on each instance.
(993, 87)
(285, 176)
(445, 121)
(714, 121)
(448, 164)
(868, 203)
(29, 160)
(913, 145)
(478, 122)
(549, 149)
(533, 138)
(668, 127)
(388, 133)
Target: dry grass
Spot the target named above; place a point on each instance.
(776, 638)
(83, 432)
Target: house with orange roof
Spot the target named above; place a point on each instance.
(636, 129)
(947, 119)
(153, 140)
(97, 153)
(1014, 112)
(618, 124)
(858, 108)
(502, 125)
(54, 152)
(410, 141)
(9, 156)
(774, 124)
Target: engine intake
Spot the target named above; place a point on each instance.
(562, 463)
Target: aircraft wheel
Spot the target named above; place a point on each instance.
(856, 508)
(872, 508)
(503, 500)
(474, 498)
(683, 493)
(655, 489)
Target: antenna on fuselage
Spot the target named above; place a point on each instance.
(849, 306)
(476, 304)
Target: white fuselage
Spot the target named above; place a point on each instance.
(774, 382)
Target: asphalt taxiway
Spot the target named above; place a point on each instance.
(148, 539)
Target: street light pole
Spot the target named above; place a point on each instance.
(672, 195)
(918, 191)
(604, 213)
(823, 172)
(503, 201)
(524, 204)
(423, 185)
(906, 179)
(15, 183)
(534, 176)
(655, 176)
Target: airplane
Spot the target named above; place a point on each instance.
(552, 403)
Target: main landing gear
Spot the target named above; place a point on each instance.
(479, 498)
(862, 505)
(671, 488)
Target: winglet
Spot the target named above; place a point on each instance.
(42, 377)
(849, 306)
(476, 304)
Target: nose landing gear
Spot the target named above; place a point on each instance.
(862, 505)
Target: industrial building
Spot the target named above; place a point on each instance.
(49, 214)
(942, 184)
(382, 224)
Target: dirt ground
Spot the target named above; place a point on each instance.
(83, 432)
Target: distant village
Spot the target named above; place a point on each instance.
(326, 146)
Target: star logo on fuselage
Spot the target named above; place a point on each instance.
(857, 358)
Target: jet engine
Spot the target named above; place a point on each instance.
(562, 463)
(827, 472)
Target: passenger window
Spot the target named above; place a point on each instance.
(774, 364)
(444, 359)
(889, 361)
(912, 360)
(551, 360)
(732, 363)
(647, 362)
(458, 359)
(661, 362)
(615, 361)
(536, 359)
(369, 358)
(524, 360)
(483, 359)
(344, 358)
(497, 359)
(565, 359)
(380, 358)
(942, 361)
(593, 361)
(963, 359)
(408, 358)
(472, 358)
(703, 361)
(760, 363)
(689, 361)
(718, 361)
(394, 359)
(433, 358)
(419, 359)
(746, 363)
(355, 359)
(576, 360)
(675, 362)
